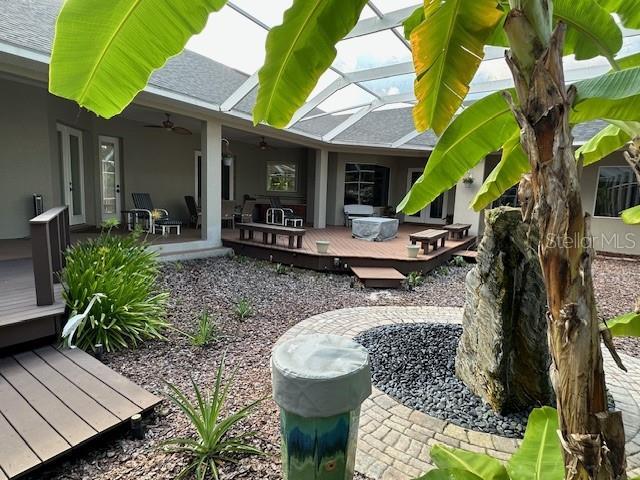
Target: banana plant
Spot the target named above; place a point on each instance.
(103, 65)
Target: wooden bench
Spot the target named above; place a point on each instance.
(270, 233)
(460, 230)
(429, 237)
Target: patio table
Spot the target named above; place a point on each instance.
(374, 229)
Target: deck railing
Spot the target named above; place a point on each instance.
(49, 240)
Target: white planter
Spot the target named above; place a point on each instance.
(412, 251)
(322, 246)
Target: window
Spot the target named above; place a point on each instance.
(366, 185)
(617, 190)
(508, 198)
(281, 177)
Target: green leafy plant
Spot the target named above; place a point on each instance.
(539, 456)
(124, 272)
(215, 442)
(205, 331)
(243, 309)
(281, 269)
(414, 279)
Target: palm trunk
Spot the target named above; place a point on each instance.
(591, 436)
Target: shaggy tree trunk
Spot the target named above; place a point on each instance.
(591, 436)
(632, 155)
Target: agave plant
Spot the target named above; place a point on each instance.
(215, 441)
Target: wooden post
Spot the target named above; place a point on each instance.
(42, 268)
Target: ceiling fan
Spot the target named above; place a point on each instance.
(171, 127)
(263, 145)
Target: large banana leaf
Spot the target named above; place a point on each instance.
(627, 325)
(631, 216)
(629, 61)
(412, 21)
(105, 51)
(449, 474)
(608, 140)
(479, 464)
(591, 31)
(539, 456)
(614, 96)
(298, 52)
(513, 164)
(481, 129)
(448, 47)
(628, 10)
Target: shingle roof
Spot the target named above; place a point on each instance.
(30, 24)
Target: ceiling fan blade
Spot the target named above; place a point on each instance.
(154, 126)
(181, 131)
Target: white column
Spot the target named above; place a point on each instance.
(320, 189)
(465, 193)
(211, 202)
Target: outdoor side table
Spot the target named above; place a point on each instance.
(319, 382)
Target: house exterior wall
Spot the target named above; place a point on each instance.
(251, 172)
(152, 160)
(398, 173)
(25, 166)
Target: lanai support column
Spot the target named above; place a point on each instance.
(465, 193)
(211, 202)
(320, 190)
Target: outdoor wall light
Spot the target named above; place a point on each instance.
(467, 179)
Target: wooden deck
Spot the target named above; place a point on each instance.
(52, 402)
(21, 319)
(346, 252)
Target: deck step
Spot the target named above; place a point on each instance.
(469, 255)
(379, 277)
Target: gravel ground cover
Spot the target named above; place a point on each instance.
(415, 364)
(617, 285)
(279, 301)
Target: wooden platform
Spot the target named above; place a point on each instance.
(470, 256)
(21, 319)
(375, 277)
(54, 401)
(346, 252)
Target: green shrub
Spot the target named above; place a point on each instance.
(458, 261)
(205, 332)
(215, 443)
(243, 309)
(414, 279)
(124, 272)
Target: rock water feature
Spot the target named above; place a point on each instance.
(502, 355)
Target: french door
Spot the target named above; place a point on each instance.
(435, 212)
(109, 158)
(72, 161)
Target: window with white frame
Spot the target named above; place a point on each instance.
(366, 185)
(281, 177)
(617, 190)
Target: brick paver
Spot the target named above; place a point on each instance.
(394, 441)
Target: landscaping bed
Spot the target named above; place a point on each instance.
(278, 301)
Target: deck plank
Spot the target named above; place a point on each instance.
(45, 442)
(82, 404)
(72, 428)
(15, 455)
(122, 385)
(99, 391)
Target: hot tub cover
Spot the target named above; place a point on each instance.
(374, 229)
(320, 375)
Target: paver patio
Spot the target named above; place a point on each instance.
(394, 441)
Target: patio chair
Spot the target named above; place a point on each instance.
(155, 217)
(279, 215)
(246, 214)
(228, 212)
(195, 214)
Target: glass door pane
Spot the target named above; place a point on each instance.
(110, 187)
